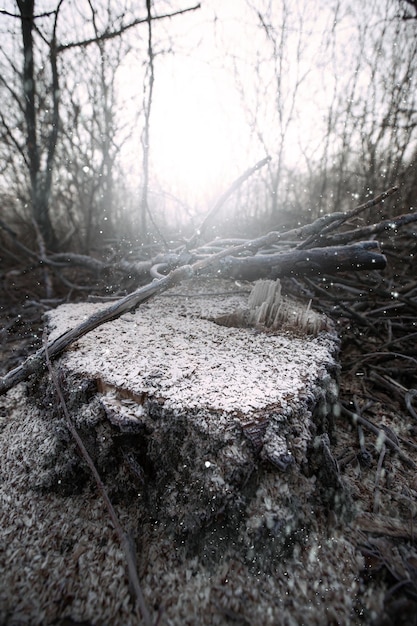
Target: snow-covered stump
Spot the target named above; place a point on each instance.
(208, 413)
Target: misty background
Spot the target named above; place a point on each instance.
(125, 120)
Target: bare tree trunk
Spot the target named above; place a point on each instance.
(148, 94)
(40, 186)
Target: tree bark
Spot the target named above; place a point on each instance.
(316, 261)
(40, 190)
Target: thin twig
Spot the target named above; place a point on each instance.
(123, 538)
(378, 476)
(348, 215)
(220, 202)
(390, 225)
(380, 433)
(356, 316)
(366, 456)
(112, 34)
(386, 356)
(409, 396)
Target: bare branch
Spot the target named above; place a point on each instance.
(36, 362)
(220, 202)
(116, 33)
(349, 214)
(35, 17)
(123, 539)
(315, 261)
(147, 107)
(8, 135)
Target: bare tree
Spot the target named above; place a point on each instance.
(147, 107)
(280, 71)
(93, 133)
(368, 60)
(375, 127)
(36, 129)
(39, 156)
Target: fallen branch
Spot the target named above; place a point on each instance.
(37, 361)
(123, 538)
(390, 225)
(348, 215)
(382, 435)
(361, 256)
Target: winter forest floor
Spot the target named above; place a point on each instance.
(376, 317)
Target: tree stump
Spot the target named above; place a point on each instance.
(209, 415)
